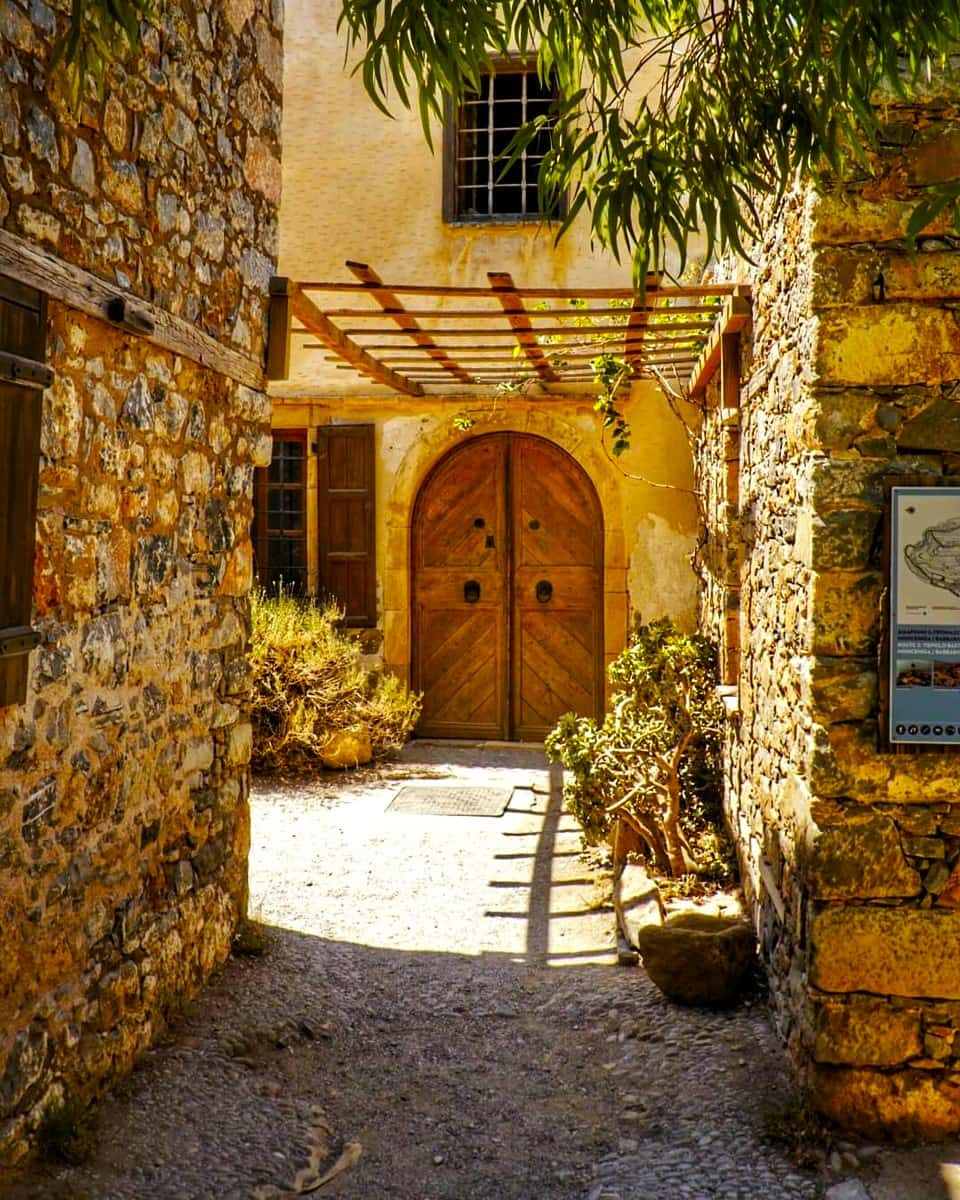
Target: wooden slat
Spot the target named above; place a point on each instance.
(538, 293)
(306, 311)
(390, 303)
(535, 314)
(480, 354)
(528, 293)
(512, 304)
(81, 289)
(569, 331)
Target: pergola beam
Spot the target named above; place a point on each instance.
(390, 304)
(511, 303)
(476, 341)
(304, 309)
(733, 317)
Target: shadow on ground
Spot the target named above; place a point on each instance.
(440, 990)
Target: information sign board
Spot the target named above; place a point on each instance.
(925, 615)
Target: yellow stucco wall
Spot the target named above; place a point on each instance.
(648, 530)
(357, 185)
(360, 186)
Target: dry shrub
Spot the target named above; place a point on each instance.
(309, 681)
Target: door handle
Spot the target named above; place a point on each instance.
(544, 591)
(471, 591)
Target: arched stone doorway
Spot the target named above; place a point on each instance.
(507, 595)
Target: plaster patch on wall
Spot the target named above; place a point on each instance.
(660, 579)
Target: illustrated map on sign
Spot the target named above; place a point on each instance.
(936, 557)
(928, 549)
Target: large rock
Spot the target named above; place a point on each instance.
(347, 748)
(860, 861)
(697, 958)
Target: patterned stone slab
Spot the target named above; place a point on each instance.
(451, 801)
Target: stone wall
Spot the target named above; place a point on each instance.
(167, 185)
(851, 854)
(123, 777)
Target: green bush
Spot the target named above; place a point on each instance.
(309, 682)
(654, 761)
(67, 1133)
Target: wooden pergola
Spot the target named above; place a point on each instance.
(455, 338)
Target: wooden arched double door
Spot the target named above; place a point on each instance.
(507, 590)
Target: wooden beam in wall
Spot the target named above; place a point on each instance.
(88, 293)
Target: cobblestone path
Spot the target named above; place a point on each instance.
(439, 1002)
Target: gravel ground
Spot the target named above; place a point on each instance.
(438, 1001)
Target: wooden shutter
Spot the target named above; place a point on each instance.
(23, 328)
(346, 469)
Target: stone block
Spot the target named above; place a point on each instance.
(834, 482)
(934, 155)
(860, 862)
(196, 755)
(865, 1032)
(848, 219)
(261, 169)
(930, 275)
(844, 761)
(888, 951)
(843, 689)
(846, 612)
(636, 901)
(949, 897)
(924, 847)
(904, 1104)
(24, 1068)
(238, 573)
(890, 344)
(845, 539)
(844, 275)
(936, 427)
(239, 745)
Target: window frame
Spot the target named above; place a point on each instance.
(451, 131)
(23, 376)
(262, 533)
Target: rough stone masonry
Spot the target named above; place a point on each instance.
(123, 777)
(851, 852)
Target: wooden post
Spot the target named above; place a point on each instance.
(278, 329)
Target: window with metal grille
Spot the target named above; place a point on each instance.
(280, 523)
(479, 186)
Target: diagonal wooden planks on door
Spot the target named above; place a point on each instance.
(507, 590)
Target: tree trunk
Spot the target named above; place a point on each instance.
(682, 860)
